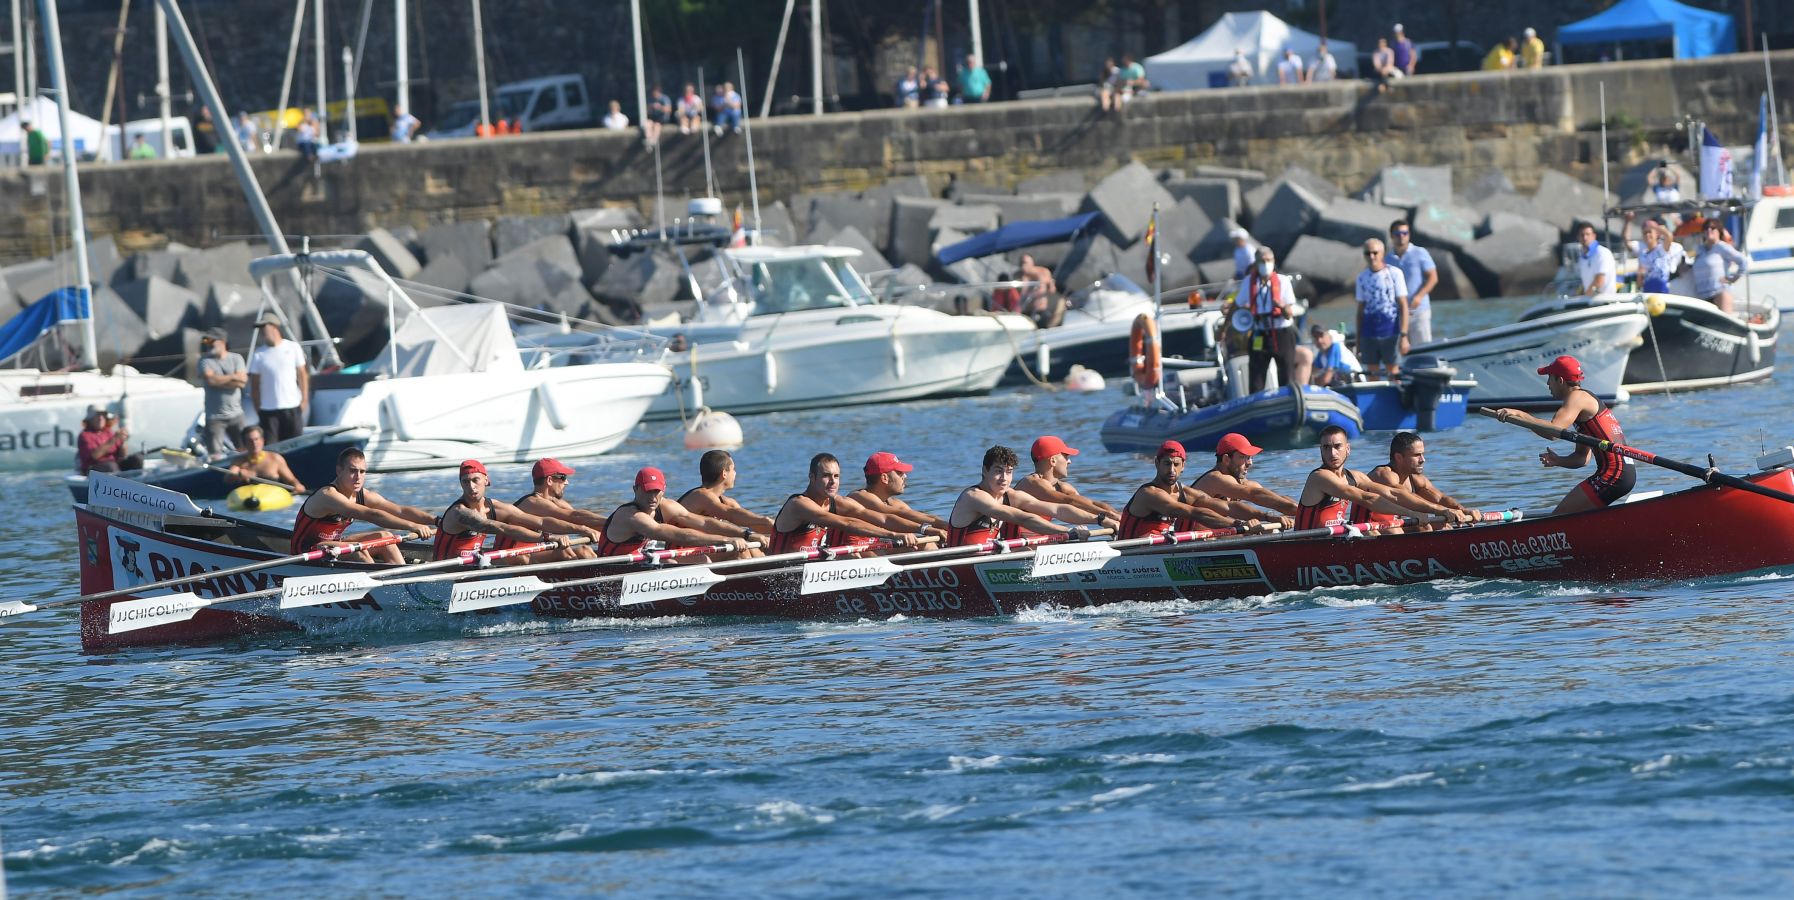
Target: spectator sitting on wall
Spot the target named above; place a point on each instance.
(1133, 78)
(1382, 65)
(404, 125)
(140, 149)
(691, 110)
(934, 89)
(909, 89)
(660, 115)
(1501, 56)
(1324, 67)
(614, 120)
(1108, 86)
(37, 145)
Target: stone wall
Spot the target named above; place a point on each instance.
(1521, 123)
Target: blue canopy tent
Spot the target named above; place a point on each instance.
(1691, 31)
(1017, 235)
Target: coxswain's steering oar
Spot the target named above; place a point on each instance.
(1704, 473)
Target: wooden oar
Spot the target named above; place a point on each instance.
(14, 607)
(1704, 473)
(170, 451)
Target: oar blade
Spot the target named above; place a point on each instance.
(319, 590)
(149, 612)
(15, 607)
(847, 574)
(1062, 559)
(491, 593)
(667, 584)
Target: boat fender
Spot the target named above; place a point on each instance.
(1756, 348)
(771, 372)
(1043, 358)
(897, 361)
(551, 407)
(1655, 305)
(1143, 352)
(713, 430)
(1084, 380)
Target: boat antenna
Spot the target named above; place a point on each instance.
(71, 184)
(747, 126)
(1775, 136)
(704, 98)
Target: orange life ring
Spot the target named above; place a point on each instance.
(1143, 352)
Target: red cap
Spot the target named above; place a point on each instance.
(1565, 367)
(546, 467)
(881, 462)
(1172, 448)
(1047, 445)
(1234, 442)
(473, 465)
(650, 479)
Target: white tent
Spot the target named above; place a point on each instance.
(1261, 35)
(41, 113)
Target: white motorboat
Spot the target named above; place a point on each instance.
(1096, 328)
(798, 328)
(462, 382)
(1504, 361)
(1688, 343)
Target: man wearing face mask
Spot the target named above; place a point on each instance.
(1269, 297)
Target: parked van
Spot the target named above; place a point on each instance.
(550, 103)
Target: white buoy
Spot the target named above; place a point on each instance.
(1084, 380)
(713, 430)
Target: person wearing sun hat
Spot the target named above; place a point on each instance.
(1583, 411)
(1052, 465)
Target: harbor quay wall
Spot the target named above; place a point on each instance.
(1521, 123)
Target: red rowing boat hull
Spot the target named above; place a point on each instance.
(1698, 533)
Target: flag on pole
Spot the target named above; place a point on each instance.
(737, 237)
(1716, 168)
(1760, 153)
(1152, 245)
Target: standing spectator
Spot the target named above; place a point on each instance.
(1596, 266)
(1244, 252)
(974, 82)
(37, 145)
(281, 388)
(223, 374)
(1420, 274)
(1133, 78)
(691, 110)
(1382, 313)
(1324, 67)
(1717, 266)
(404, 125)
(1406, 56)
(100, 447)
(725, 108)
(934, 89)
(1239, 72)
(245, 132)
(1382, 64)
(909, 89)
(1532, 51)
(660, 115)
(140, 148)
(1501, 56)
(1658, 257)
(1108, 86)
(1289, 70)
(205, 132)
(1666, 187)
(1269, 297)
(614, 120)
(306, 142)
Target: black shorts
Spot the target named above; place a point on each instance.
(1605, 491)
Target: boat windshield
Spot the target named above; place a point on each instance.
(789, 285)
(857, 288)
(1115, 281)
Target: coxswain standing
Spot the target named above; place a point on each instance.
(886, 477)
(717, 470)
(1336, 495)
(259, 462)
(547, 501)
(474, 515)
(1407, 457)
(649, 515)
(1163, 504)
(1586, 413)
(1052, 465)
(812, 518)
(1227, 480)
(324, 518)
(985, 507)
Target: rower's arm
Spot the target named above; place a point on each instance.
(381, 511)
(913, 516)
(676, 513)
(520, 525)
(1269, 499)
(1165, 505)
(284, 473)
(673, 534)
(1376, 500)
(741, 515)
(1062, 511)
(854, 510)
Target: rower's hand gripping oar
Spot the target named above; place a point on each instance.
(1707, 474)
(13, 607)
(491, 593)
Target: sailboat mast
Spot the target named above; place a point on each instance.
(70, 182)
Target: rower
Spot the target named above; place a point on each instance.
(717, 469)
(1407, 456)
(1163, 504)
(886, 477)
(1052, 464)
(1334, 493)
(474, 515)
(982, 509)
(259, 462)
(649, 515)
(809, 519)
(325, 516)
(1586, 413)
(1227, 480)
(547, 501)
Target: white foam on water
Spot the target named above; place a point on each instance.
(1655, 765)
(327, 837)
(1120, 794)
(969, 763)
(1138, 759)
(779, 812)
(1396, 782)
(492, 841)
(934, 812)
(555, 626)
(602, 778)
(153, 845)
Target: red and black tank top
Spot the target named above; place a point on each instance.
(451, 546)
(979, 531)
(807, 536)
(1362, 515)
(1329, 511)
(1135, 526)
(308, 529)
(608, 547)
(1602, 426)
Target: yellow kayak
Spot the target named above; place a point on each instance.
(258, 498)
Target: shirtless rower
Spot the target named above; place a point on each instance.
(473, 515)
(1227, 480)
(324, 518)
(1336, 495)
(547, 501)
(259, 462)
(1052, 464)
(984, 508)
(811, 518)
(1407, 457)
(649, 515)
(1583, 411)
(886, 477)
(1163, 503)
(717, 469)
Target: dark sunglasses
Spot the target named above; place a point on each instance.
(1399, 232)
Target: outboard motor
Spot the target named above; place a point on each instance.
(1425, 378)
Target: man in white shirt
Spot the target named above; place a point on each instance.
(1271, 299)
(1324, 67)
(1289, 71)
(279, 383)
(1600, 275)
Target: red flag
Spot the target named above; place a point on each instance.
(1152, 248)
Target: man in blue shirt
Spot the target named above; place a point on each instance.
(974, 82)
(1382, 313)
(1421, 274)
(1330, 367)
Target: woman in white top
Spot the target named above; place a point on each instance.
(1659, 256)
(615, 120)
(1714, 265)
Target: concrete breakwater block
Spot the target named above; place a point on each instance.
(118, 331)
(1543, 232)
(9, 301)
(1355, 221)
(1445, 226)
(1088, 260)
(1563, 201)
(1409, 186)
(1517, 204)
(776, 227)
(33, 280)
(512, 232)
(964, 190)
(869, 260)
(1247, 179)
(841, 209)
(1220, 198)
(634, 282)
(1126, 199)
(554, 250)
(149, 264)
(163, 306)
(356, 312)
(447, 273)
(1291, 212)
(911, 238)
(103, 260)
(1492, 181)
(470, 242)
(1034, 207)
(390, 252)
(1063, 182)
(226, 262)
(969, 220)
(1454, 283)
(234, 308)
(1507, 263)
(1330, 266)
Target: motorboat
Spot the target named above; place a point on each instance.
(311, 456)
(1687, 343)
(1504, 360)
(1096, 328)
(1277, 418)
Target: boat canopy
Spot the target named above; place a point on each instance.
(425, 344)
(1016, 235)
(59, 306)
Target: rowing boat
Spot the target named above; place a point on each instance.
(1701, 532)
